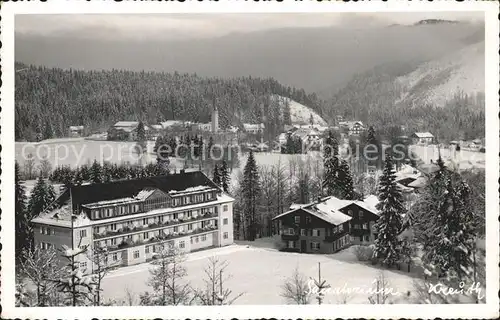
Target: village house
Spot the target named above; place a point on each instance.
(76, 131)
(422, 138)
(352, 128)
(132, 218)
(254, 128)
(125, 131)
(328, 225)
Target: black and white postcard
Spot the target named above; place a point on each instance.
(238, 159)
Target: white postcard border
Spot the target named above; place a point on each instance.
(490, 309)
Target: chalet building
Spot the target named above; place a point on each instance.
(353, 128)
(328, 225)
(76, 131)
(422, 138)
(125, 131)
(132, 218)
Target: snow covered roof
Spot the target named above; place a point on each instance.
(145, 193)
(192, 190)
(156, 126)
(328, 209)
(75, 128)
(60, 217)
(126, 124)
(169, 123)
(423, 135)
(253, 126)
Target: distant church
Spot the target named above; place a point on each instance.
(215, 120)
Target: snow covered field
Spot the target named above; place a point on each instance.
(259, 271)
(465, 159)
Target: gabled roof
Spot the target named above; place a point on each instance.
(423, 135)
(328, 209)
(118, 190)
(126, 124)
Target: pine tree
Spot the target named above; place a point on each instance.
(375, 148)
(250, 190)
(311, 119)
(77, 287)
(225, 176)
(345, 181)
(42, 196)
(209, 147)
(96, 172)
(388, 226)
(159, 141)
(331, 163)
(23, 230)
(287, 118)
(217, 178)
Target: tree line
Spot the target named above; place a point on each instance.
(49, 100)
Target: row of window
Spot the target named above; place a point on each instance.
(163, 218)
(364, 226)
(47, 230)
(166, 231)
(314, 232)
(308, 218)
(46, 245)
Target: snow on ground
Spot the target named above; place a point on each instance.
(300, 113)
(259, 271)
(464, 158)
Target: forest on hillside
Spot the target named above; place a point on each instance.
(49, 100)
(374, 97)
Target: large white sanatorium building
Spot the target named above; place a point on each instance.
(131, 218)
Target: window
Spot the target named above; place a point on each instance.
(291, 231)
(225, 221)
(315, 245)
(365, 225)
(41, 230)
(113, 227)
(146, 235)
(42, 245)
(115, 256)
(297, 219)
(182, 244)
(52, 231)
(302, 232)
(136, 254)
(145, 221)
(224, 208)
(147, 249)
(176, 215)
(341, 228)
(226, 235)
(176, 229)
(196, 239)
(204, 237)
(190, 227)
(216, 210)
(334, 229)
(360, 214)
(189, 214)
(83, 265)
(315, 232)
(367, 238)
(356, 226)
(83, 233)
(113, 241)
(308, 219)
(290, 244)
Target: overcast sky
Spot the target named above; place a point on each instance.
(212, 25)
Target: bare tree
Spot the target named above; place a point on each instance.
(268, 198)
(381, 289)
(129, 297)
(215, 293)
(45, 167)
(40, 267)
(101, 267)
(295, 289)
(29, 166)
(345, 297)
(166, 276)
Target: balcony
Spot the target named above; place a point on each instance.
(289, 237)
(154, 240)
(151, 227)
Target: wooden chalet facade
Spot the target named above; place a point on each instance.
(328, 225)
